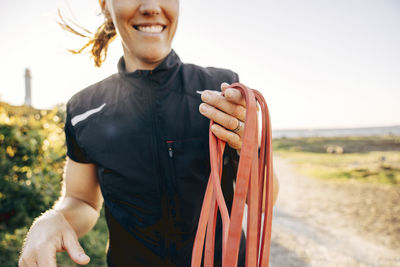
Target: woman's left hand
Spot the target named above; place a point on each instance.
(228, 112)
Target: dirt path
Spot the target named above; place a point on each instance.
(323, 223)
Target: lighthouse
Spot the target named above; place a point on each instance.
(28, 89)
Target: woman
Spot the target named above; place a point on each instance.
(138, 141)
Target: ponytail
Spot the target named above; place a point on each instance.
(98, 42)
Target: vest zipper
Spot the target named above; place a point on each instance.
(170, 149)
(175, 202)
(155, 138)
(165, 201)
(172, 180)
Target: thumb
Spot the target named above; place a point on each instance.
(74, 249)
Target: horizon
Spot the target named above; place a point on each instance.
(340, 128)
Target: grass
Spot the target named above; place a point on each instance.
(349, 144)
(366, 159)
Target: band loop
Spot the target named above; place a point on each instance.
(254, 180)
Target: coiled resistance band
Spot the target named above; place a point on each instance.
(254, 180)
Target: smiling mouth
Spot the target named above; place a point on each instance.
(150, 28)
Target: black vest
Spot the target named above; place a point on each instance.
(144, 132)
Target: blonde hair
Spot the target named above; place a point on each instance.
(98, 42)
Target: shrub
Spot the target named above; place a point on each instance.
(32, 157)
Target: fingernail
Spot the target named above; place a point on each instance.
(206, 96)
(203, 108)
(83, 256)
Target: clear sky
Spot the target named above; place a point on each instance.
(319, 64)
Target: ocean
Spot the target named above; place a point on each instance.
(368, 131)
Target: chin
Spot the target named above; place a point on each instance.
(154, 54)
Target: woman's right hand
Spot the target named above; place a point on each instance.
(49, 234)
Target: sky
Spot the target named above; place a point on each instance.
(319, 64)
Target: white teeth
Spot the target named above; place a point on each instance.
(151, 29)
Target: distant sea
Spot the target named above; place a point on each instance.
(369, 131)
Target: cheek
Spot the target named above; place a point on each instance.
(172, 9)
(173, 16)
(122, 11)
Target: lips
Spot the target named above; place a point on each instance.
(150, 28)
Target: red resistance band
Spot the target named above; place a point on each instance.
(254, 175)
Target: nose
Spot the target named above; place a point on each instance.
(150, 8)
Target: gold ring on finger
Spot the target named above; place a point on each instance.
(239, 127)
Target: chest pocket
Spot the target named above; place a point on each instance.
(188, 160)
(188, 172)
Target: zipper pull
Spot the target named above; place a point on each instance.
(170, 149)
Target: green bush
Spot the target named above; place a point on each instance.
(32, 158)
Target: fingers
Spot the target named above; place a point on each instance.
(215, 99)
(26, 261)
(233, 95)
(48, 235)
(47, 257)
(42, 254)
(223, 119)
(230, 137)
(227, 110)
(74, 249)
(224, 85)
(28, 257)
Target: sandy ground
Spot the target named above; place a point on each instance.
(324, 223)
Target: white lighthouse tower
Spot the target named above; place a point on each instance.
(28, 89)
